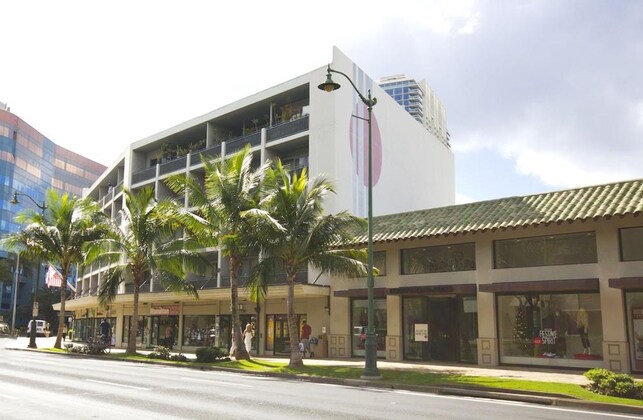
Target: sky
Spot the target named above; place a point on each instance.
(540, 95)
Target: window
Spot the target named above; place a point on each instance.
(199, 330)
(560, 328)
(574, 248)
(359, 323)
(631, 241)
(439, 259)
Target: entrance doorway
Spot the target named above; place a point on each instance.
(443, 342)
(451, 322)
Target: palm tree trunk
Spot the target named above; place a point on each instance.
(240, 351)
(61, 316)
(133, 330)
(293, 327)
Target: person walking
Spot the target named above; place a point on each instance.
(248, 335)
(305, 336)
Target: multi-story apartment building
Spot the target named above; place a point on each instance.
(420, 101)
(304, 127)
(30, 163)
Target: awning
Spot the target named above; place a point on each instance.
(627, 283)
(540, 286)
(445, 289)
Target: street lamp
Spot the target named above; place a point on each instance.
(370, 345)
(34, 313)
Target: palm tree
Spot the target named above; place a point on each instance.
(59, 236)
(294, 232)
(231, 188)
(145, 243)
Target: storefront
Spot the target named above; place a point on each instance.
(359, 325)
(633, 292)
(277, 333)
(549, 323)
(439, 322)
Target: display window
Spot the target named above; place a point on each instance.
(551, 329)
(199, 330)
(634, 305)
(360, 325)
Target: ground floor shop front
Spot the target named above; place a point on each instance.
(506, 323)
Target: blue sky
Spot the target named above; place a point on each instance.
(540, 95)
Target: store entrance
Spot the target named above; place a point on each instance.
(442, 328)
(443, 331)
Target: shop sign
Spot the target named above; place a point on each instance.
(548, 336)
(164, 310)
(421, 332)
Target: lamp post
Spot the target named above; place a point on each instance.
(34, 314)
(370, 345)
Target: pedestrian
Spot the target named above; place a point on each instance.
(305, 336)
(248, 334)
(169, 337)
(105, 332)
(64, 332)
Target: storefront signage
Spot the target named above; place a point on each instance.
(548, 336)
(421, 332)
(164, 310)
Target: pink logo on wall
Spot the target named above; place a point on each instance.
(359, 145)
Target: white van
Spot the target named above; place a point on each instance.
(41, 328)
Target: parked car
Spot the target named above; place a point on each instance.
(41, 328)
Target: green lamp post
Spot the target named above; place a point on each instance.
(370, 369)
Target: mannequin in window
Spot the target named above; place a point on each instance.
(582, 323)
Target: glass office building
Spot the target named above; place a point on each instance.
(30, 163)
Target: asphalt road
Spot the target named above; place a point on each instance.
(37, 385)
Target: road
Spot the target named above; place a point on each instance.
(36, 385)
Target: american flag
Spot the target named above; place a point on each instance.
(54, 278)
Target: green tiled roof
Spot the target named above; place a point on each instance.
(594, 202)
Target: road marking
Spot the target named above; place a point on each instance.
(9, 397)
(209, 381)
(121, 385)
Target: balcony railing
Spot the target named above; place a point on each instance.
(173, 165)
(239, 143)
(144, 175)
(287, 129)
(209, 153)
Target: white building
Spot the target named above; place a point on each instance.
(420, 101)
(304, 127)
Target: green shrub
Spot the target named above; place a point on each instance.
(606, 382)
(178, 358)
(159, 352)
(211, 354)
(69, 346)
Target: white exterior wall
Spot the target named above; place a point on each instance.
(417, 170)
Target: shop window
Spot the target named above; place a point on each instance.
(631, 241)
(439, 259)
(551, 329)
(574, 248)
(199, 330)
(359, 326)
(634, 304)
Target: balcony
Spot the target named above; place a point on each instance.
(287, 129)
(273, 133)
(144, 175)
(173, 165)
